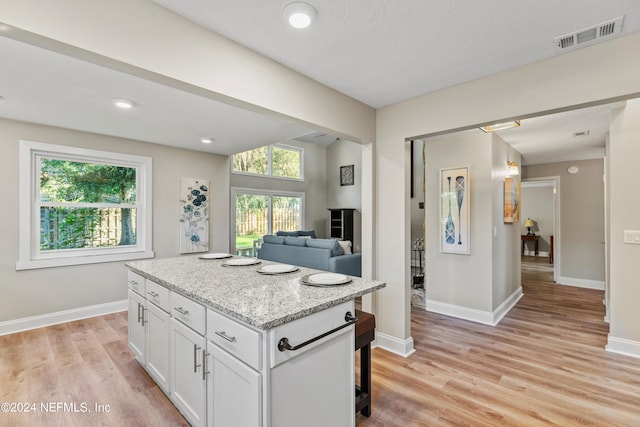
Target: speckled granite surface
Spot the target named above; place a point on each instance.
(263, 301)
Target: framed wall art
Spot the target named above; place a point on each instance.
(194, 215)
(511, 200)
(346, 175)
(454, 211)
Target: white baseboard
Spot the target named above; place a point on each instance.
(403, 348)
(541, 254)
(581, 283)
(474, 315)
(35, 322)
(623, 346)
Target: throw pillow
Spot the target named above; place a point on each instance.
(345, 245)
(287, 233)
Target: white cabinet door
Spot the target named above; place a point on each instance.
(137, 326)
(188, 381)
(157, 334)
(234, 391)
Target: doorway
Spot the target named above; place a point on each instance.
(540, 228)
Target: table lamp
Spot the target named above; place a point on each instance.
(529, 223)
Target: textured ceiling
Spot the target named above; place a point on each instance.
(377, 51)
(384, 51)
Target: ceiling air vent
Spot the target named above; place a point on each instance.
(589, 35)
(581, 133)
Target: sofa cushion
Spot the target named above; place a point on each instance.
(331, 244)
(295, 241)
(310, 233)
(270, 238)
(287, 233)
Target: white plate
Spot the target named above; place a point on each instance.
(241, 261)
(215, 256)
(277, 268)
(327, 278)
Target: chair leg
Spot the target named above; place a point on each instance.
(365, 377)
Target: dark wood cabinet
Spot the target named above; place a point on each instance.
(341, 224)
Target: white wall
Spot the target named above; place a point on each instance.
(582, 225)
(37, 292)
(625, 215)
(315, 182)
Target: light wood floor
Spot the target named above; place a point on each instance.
(544, 364)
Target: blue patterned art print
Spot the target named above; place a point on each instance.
(454, 211)
(194, 215)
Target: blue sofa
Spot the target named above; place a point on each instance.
(321, 254)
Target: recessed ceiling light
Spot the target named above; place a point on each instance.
(206, 140)
(299, 15)
(125, 104)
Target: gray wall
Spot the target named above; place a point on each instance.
(36, 292)
(537, 204)
(417, 214)
(486, 278)
(581, 216)
(344, 153)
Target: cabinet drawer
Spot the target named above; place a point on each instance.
(237, 339)
(188, 312)
(307, 328)
(136, 282)
(157, 294)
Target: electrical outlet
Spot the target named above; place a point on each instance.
(632, 237)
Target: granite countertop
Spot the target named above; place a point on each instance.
(260, 300)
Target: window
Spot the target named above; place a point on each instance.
(260, 212)
(80, 206)
(277, 161)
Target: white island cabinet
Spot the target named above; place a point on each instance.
(243, 349)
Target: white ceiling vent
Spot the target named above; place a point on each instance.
(589, 35)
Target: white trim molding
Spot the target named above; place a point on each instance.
(623, 346)
(581, 283)
(474, 315)
(395, 345)
(35, 322)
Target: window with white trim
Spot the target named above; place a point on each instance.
(81, 206)
(277, 161)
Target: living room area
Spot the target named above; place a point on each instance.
(312, 183)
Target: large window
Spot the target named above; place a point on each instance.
(264, 212)
(278, 161)
(81, 206)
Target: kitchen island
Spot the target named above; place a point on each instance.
(233, 347)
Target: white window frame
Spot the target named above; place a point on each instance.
(269, 193)
(29, 254)
(269, 173)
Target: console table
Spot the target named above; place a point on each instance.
(533, 237)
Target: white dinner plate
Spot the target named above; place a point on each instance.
(277, 269)
(215, 256)
(241, 261)
(328, 279)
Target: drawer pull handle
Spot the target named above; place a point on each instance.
(283, 344)
(204, 365)
(182, 311)
(223, 334)
(196, 365)
(153, 294)
(133, 283)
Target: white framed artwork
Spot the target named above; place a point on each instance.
(194, 215)
(454, 211)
